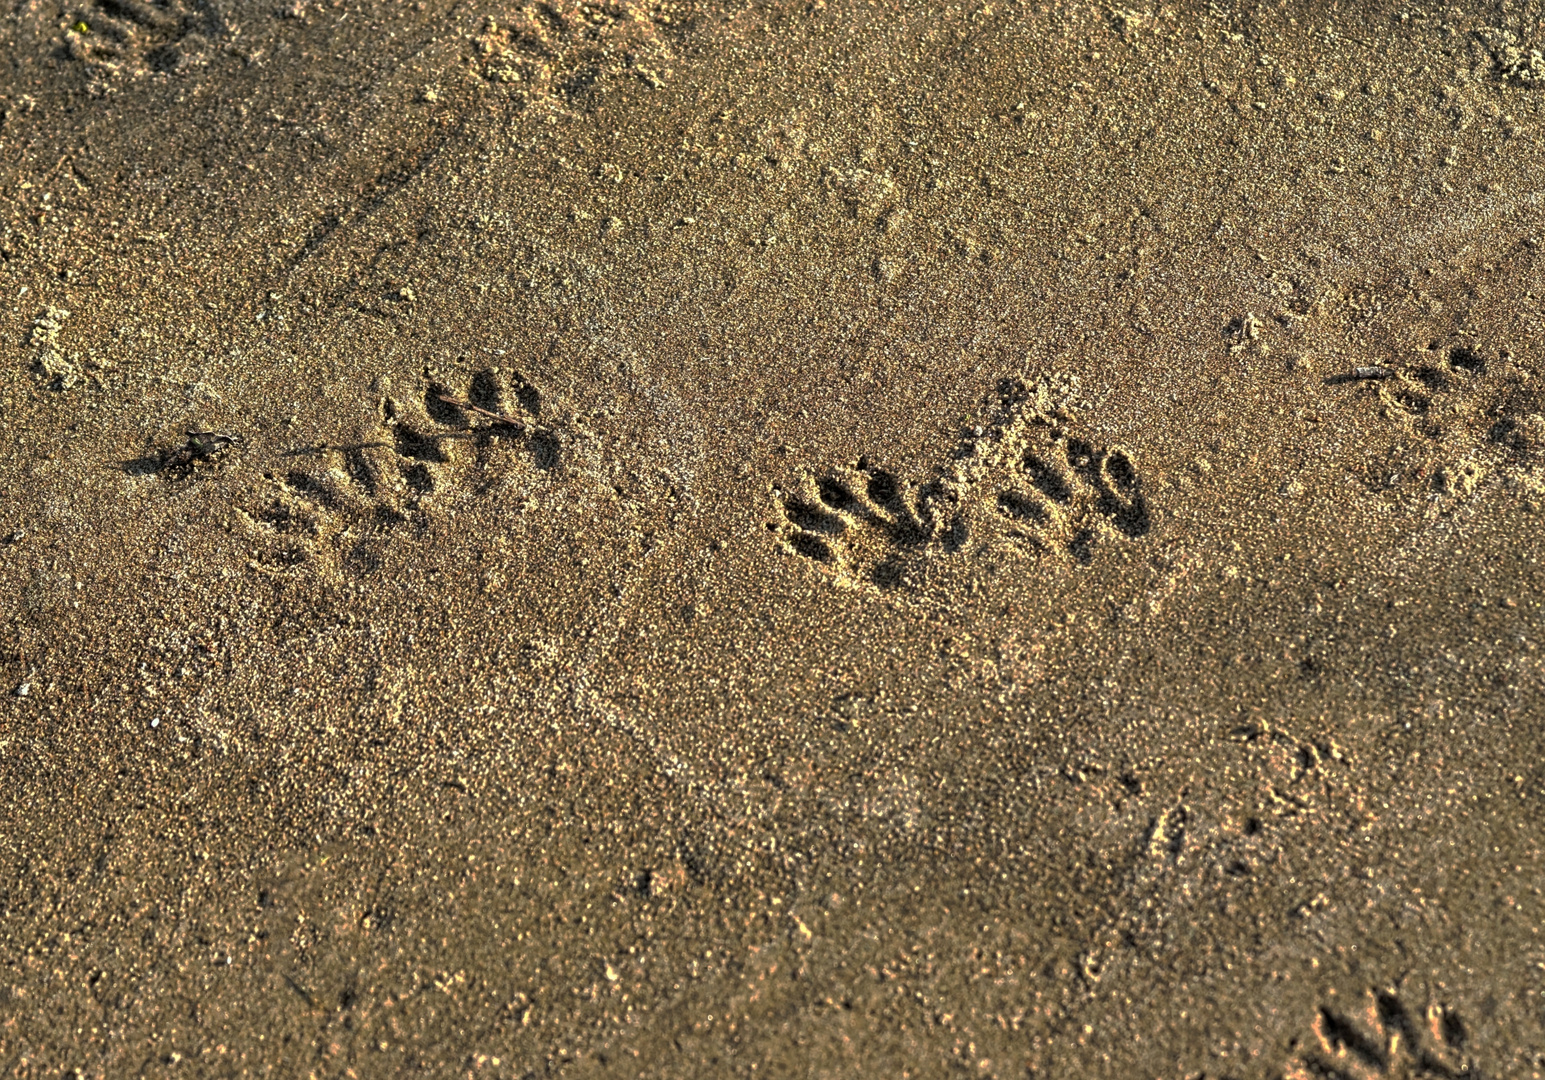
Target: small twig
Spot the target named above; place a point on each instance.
(1358, 374)
(511, 421)
(302, 991)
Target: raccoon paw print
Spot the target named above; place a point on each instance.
(1385, 1040)
(351, 499)
(140, 36)
(1024, 483)
(1063, 494)
(861, 522)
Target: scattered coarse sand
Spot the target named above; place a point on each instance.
(752, 538)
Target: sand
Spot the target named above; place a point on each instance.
(815, 539)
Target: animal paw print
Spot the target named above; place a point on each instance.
(1061, 493)
(1449, 402)
(1295, 775)
(1418, 390)
(137, 36)
(1385, 1040)
(1024, 484)
(566, 49)
(862, 522)
(353, 498)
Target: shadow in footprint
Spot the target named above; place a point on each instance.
(441, 411)
(545, 450)
(1048, 479)
(486, 393)
(1466, 360)
(360, 472)
(1021, 507)
(836, 495)
(416, 445)
(812, 547)
(812, 519)
(1122, 500)
(1131, 518)
(957, 536)
(530, 397)
(1341, 1034)
(311, 488)
(1081, 547)
(905, 528)
(419, 479)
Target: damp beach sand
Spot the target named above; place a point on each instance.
(821, 539)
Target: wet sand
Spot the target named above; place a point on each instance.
(810, 539)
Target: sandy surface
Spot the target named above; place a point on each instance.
(815, 539)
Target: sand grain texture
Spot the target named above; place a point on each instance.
(809, 539)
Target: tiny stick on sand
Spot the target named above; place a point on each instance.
(510, 420)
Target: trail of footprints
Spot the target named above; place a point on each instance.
(1027, 484)
(334, 510)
